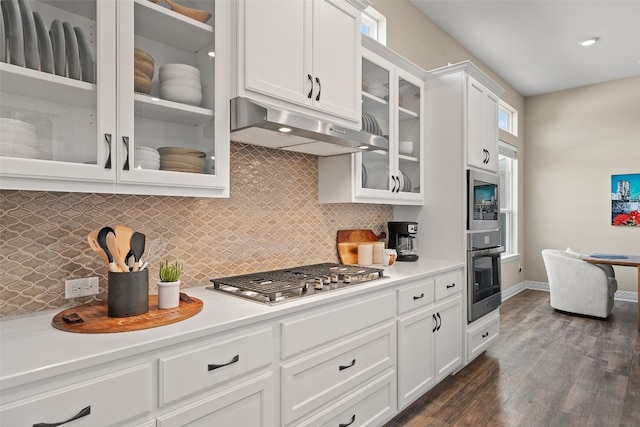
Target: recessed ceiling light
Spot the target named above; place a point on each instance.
(589, 42)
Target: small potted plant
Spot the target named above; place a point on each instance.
(169, 285)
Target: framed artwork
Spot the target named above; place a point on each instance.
(625, 200)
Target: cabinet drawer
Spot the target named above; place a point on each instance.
(247, 404)
(221, 360)
(333, 322)
(415, 296)
(110, 399)
(449, 284)
(368, 406)
(480, 337)
(319, 378)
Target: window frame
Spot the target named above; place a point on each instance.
(509, 191)
(511, 114)
(377, 23)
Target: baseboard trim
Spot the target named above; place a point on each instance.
(543, 286)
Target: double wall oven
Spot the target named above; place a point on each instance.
(483, 244)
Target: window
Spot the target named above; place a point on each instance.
(374, 25)
(508, 170)
(507, 118)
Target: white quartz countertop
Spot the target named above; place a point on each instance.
(32, 349)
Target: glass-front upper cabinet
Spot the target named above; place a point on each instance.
(58, 92)
(135, 96)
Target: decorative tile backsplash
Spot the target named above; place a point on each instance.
(272, 220)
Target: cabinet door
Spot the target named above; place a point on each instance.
(58, 115)
(247, 404)
(169, 135)
(482, 126)
(336, 58)
(277, 49)
(373, 168)
(415, 355)
(448, 337)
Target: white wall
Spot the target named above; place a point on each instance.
(576, 139)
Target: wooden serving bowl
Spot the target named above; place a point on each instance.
(139, 53)
(141, 84)
(144, 67)
(197, 14)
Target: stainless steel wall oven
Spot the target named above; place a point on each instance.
(483, 270)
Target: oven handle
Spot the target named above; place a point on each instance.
(488, 251)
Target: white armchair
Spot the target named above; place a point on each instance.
(577, 286)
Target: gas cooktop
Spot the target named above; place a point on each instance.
(271, 287)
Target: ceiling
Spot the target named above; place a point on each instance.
(533, 44)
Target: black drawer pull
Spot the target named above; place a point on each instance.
(486, 334)
(235, 359)
(421, 296)
(343, 367)
(451, 286)
(86, 411)
(353, 419)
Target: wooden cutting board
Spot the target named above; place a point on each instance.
(348, 241)
(96, 320)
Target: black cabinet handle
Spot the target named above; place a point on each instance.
(399, 186)
(107, 139)
(343, 367)
(235, 359)
(353, 419)
(435, 320)
(439, 321)
(311, 90)
(86, 411)
(393, 189)
(125, 139)
(488, 156)
(319, 89)
(451, 286)
(486, 334)
(418, 297)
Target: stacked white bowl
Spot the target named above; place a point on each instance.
(180, 83)
(18, 139)
(146, 158)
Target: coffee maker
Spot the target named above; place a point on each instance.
(403, 238)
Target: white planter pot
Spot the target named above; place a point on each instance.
(168, 294)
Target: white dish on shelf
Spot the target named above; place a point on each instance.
(17, 137)
(13, 24)
(71, 51)
(182, 94)
(45, 51)
(405, 147)
(147, 164)
(378, 176)
(16, 150)
(87, 66)
(56, 33)
(192, 83)
(29, 36)
(184, 70)
(7, 124)
(148, 149)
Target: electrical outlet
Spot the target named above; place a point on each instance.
(74, 288)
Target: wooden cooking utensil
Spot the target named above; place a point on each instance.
(123, 236)
(102, 241)
(92, 238)
(112, 245)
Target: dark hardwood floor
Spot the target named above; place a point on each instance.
(546, 369)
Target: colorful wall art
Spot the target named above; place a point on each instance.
(625, 200)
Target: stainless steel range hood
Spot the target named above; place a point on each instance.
(252, 123)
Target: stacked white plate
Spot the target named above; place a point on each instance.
(180, 83)
(178, 159)
(18, 139)
(146, 158)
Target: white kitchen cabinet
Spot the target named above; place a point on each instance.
(86, 132)
(448, 337)
(482, 126)
(392, 106)
(248, 404)
(482, 333)
(114, 397)
(429, 334)
(305, 53)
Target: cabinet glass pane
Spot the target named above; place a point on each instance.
(409, 137)
(174, 59)
(48, 96)
(376, 119)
